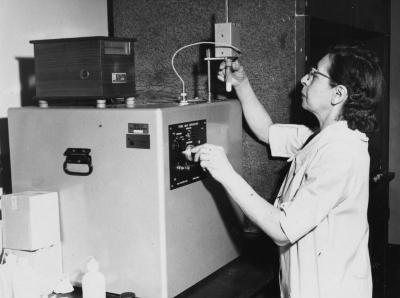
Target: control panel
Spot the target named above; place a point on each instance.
(183, 137)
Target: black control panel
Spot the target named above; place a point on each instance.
(182, 137)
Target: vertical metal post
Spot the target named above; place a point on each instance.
(208, 54)
(227, 11)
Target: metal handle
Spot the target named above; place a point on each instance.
(79, 156)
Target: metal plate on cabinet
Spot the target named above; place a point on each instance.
(181, 136)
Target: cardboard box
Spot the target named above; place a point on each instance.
(31, 220)
(46, 264)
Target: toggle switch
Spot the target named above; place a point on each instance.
(188, 152)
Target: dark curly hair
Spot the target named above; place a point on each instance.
(357, 68)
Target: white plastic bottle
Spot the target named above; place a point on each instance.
(93, 282)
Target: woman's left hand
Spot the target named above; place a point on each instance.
(213, 158)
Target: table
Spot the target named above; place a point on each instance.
(244, 277)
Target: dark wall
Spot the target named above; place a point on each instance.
(267, 44)
(371, 15)
(26, 76)
(394, 141)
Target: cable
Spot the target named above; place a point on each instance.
(195, 44)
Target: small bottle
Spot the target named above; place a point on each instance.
(93, 282)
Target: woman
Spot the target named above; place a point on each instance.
(319, 219)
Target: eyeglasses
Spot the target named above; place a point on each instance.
(313, 72)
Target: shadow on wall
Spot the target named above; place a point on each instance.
(28, 91)
(27, 80)
(5, 171)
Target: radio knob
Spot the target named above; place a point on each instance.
(84, 74)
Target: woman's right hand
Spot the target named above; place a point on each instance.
(236, 76)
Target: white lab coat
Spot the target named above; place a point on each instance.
(323, 202)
